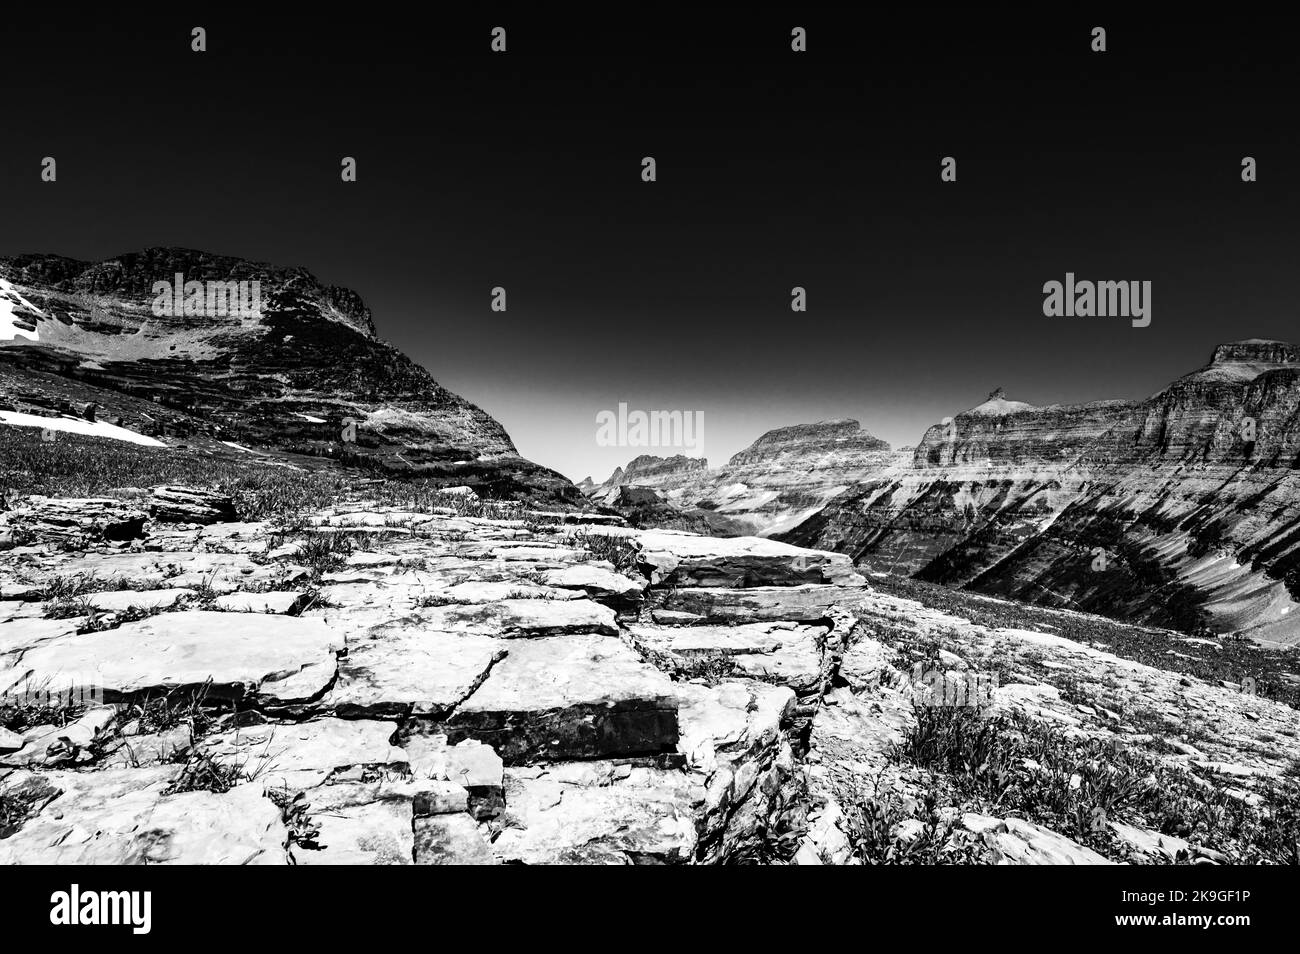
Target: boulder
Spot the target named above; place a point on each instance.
(187, 505)
(77, 519)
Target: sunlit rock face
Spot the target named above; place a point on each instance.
(1180, 510)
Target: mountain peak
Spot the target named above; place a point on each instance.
(835, 430)
(1256, 351)
(998, 404)
(298, 375)
(133, 275)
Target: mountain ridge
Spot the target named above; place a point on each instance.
(1181, 510)
(306, 375)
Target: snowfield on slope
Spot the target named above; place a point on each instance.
(75, 425)
(9, 329)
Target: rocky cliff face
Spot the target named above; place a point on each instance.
(1181, 510)
(303, 372)
(650, 471)
(776, 482)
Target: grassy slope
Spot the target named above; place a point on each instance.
(1276, 672)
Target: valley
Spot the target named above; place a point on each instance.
(310, 607)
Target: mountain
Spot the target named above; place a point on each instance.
(291, 367)
(650, 471)
(772, 485)
(1182, 510)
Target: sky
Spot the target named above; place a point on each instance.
(775, 169)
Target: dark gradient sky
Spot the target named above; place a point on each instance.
(775, 169)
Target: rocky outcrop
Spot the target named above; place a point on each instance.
(650, 471)
(186, 505)
(486, 690)
(74, 519)
(1182, 510)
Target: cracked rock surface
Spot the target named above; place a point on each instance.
(443, 686)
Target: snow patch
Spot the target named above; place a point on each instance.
(76, 425)
(8, 320)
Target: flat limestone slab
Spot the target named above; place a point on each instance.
(302, 755)
(119, 600)
(570, 697)
(275, 601)
(755, 604)
(18, 635)
(599, 813)
(784, 653)
(595, 579)
(52, 744)
(450, 840)
(239, 652)
(13, 609)
(523, 618)
(224, 572)
(477, 591)
(399, 668)
(685, 559)
(121, 817)
(377, 833)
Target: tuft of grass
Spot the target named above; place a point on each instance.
(20, 718)
(69, 608)
(71, 587)
(323, 552)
